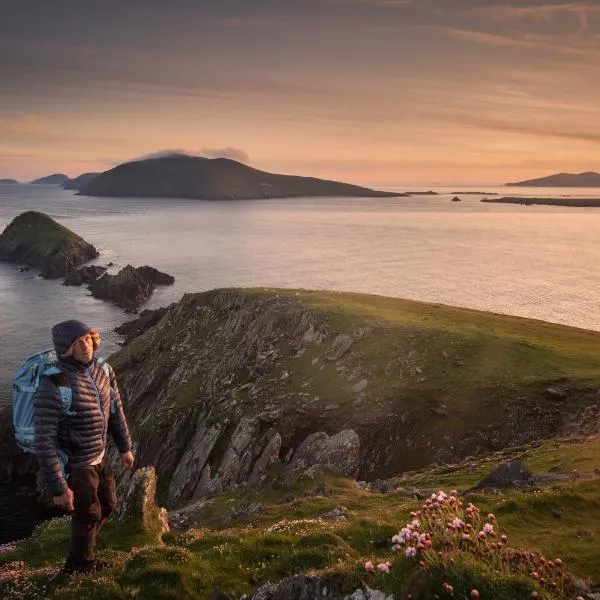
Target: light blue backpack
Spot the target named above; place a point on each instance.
(25, 384)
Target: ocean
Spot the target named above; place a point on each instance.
(533, 261)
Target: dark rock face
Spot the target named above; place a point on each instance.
(135, 328)
(130, 287)
(36, 240)
(86, 274)
(319, 452)
(511, 474)
(213, 179)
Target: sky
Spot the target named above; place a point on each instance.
(379, 92)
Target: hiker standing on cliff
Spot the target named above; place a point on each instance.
(80, 435)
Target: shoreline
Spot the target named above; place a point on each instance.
(570, 202)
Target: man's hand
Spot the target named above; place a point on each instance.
(127, 460)
(65, 501)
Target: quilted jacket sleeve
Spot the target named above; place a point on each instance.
(47, 413)
(117, 424)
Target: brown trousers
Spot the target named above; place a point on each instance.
(95, 499)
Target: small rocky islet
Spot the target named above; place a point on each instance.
(35, 240)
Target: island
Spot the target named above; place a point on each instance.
(573, 202)
(587, 179)
(55, 179)
(36, 240)
(78, 183)
(6, 181)
(181, 176)
(475, 193)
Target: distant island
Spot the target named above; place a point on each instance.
(2, 181)
(574, 202)
(55, 179)
(475, 193)
(78, 183)
(588, 179)
(181, 176)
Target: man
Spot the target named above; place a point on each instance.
(81, 434)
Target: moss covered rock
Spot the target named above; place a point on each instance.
(37, 240)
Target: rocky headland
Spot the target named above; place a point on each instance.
(6, 181)
(270, 422)
(36, 240)
(54, 179)
(180, 176)
(78, 183)
(573, 202)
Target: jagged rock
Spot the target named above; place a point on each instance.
(36, 240)
(130, 287)
(135, 328)
(302, 587)
(139, 504)
(184, 518)
(339, 347)
(338, 454)
(246, 509)
(511, 474)
(337, 514)
(86, 274)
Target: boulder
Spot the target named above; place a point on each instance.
(320, 452)
(34, 239)
(130, 287)
(86, 274)
(510, 474)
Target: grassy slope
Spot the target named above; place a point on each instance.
(490, 372)
(559, 520)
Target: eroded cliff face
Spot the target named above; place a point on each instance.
(228, 382)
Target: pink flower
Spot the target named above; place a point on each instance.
(488, 528)
(474, 595)
(384, 567)
(491, 517)
(410, 552)
(448, 589)
(369, 566)
(481, 535)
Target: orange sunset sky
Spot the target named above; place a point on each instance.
(369, 91)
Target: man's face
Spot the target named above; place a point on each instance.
(82, 349)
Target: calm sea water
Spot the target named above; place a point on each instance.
(536, 261)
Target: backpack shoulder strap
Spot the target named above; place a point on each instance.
(101, 362)
(61, 381)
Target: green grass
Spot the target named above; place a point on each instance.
(558, 520)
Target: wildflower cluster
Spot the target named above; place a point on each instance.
(445, 530)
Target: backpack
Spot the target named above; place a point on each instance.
(25, 384)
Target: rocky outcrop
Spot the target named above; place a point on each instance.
(588, 179)
(36, 240)
(6, 181)
(339, 454)
(507, 475)
(130, 287)
(86, 274)
(179, 176)
(303, 587)
(139, 506)
(145, 320)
